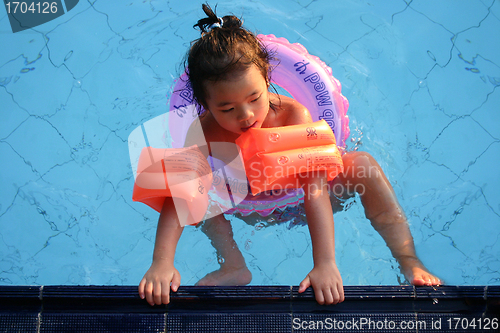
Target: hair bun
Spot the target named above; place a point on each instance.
(206, 24)
(232, 22)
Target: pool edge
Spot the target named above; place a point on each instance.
(249, 308)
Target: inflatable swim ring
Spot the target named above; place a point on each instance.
(305, 77)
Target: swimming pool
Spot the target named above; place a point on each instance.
(422, 79)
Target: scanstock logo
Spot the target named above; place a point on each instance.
(29, 14)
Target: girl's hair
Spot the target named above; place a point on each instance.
(224, 49)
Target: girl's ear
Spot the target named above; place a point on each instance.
(205, 107)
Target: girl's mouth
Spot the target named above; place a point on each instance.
(244, 129)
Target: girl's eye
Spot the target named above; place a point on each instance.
(255, 100)
(231, 109)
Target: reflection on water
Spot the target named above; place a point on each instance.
(422, 82)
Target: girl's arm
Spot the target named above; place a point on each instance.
(162, 275)
(324, 277)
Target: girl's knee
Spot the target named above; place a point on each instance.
(358, 158)
(360, 166)
(362, 175)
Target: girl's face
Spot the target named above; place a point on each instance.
(239, 103)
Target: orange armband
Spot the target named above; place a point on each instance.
(276, 157)
(182, 173)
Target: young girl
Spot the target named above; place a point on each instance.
(228, 70)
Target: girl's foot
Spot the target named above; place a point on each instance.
(226, 276)
(416, 273)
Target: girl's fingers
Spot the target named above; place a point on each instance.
(149, 293)
(176, 282)
(157, 293)
(165, 293)
(306, 283)
(320, 298)
(329, 296)
(341, 293)
(141, 288)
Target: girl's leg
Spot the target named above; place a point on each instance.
(233, 270)
(362, 174)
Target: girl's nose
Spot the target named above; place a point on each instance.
(245, 114)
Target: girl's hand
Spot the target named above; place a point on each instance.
(159, 279)
(327, 283)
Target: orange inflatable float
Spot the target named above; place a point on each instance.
(180, 173)
(275, 158)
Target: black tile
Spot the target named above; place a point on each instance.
(102, 322)
(229, 322)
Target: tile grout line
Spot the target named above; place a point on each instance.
(39, 316)
(165, 321)
(291, 309)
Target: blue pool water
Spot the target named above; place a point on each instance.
(422, 78)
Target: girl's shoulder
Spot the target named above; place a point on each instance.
(205, 129)
(287, 111)
(199, 130)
